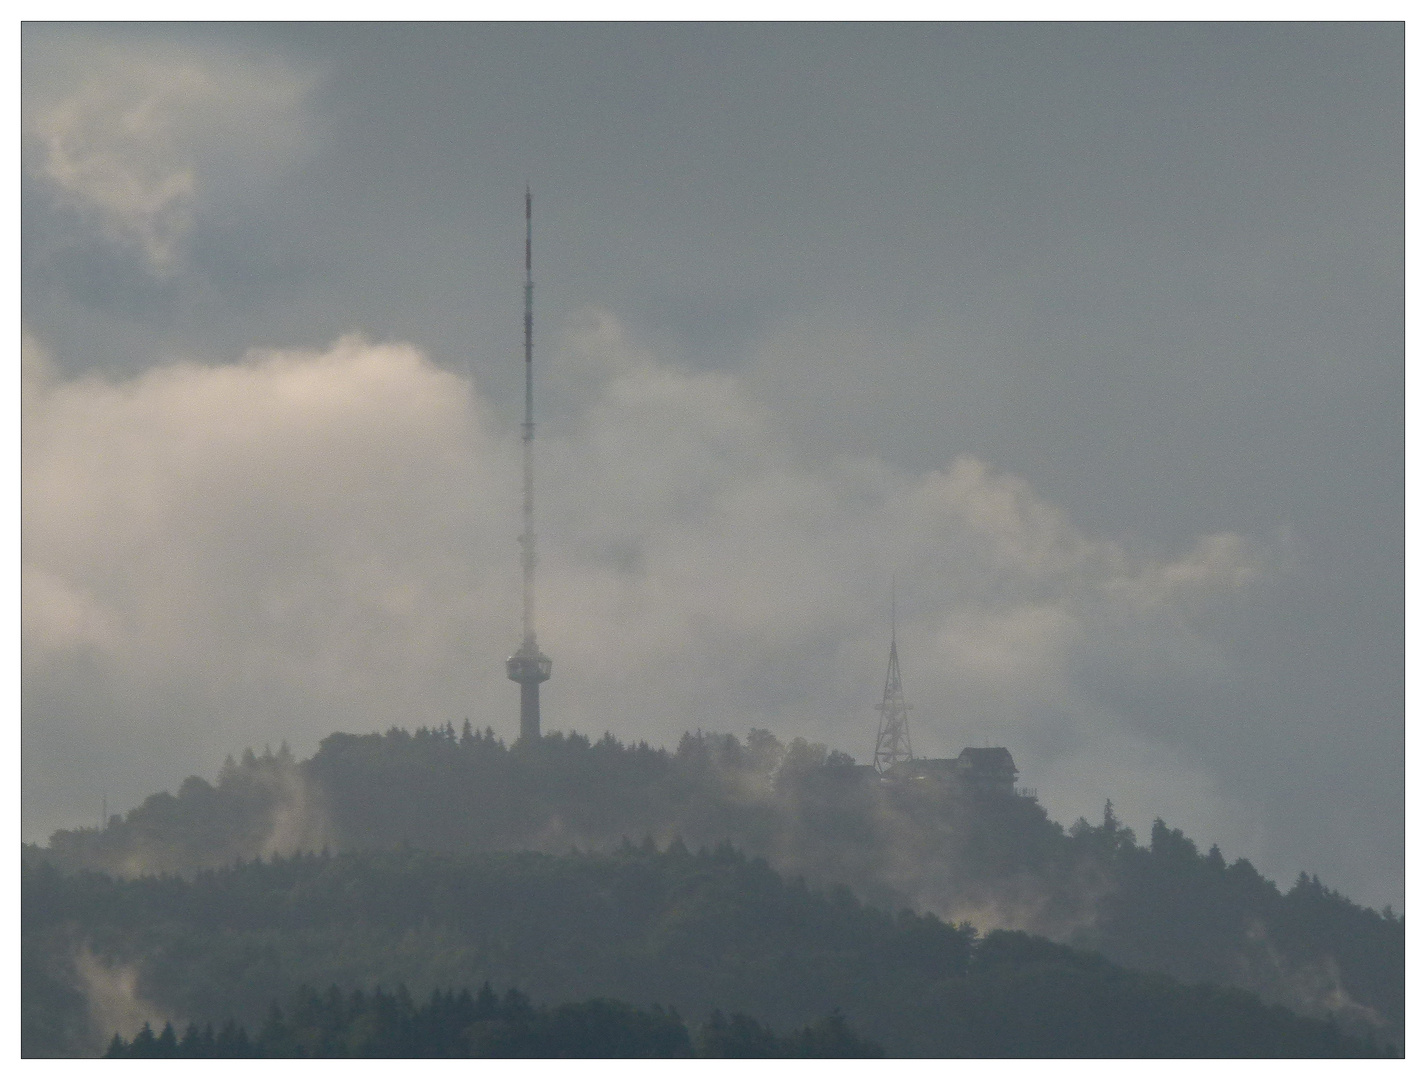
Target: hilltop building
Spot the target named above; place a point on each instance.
(977, 771)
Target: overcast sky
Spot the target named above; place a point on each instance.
(1091, 336)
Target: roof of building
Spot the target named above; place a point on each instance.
(987, 759)
(940, 764)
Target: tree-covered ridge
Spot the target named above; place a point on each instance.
(699, 932)
(485, 1025)
(714, 930)
(996, 860)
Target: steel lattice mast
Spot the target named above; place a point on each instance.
(529, 667)
(893, 733)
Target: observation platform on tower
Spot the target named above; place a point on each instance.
(528, 665)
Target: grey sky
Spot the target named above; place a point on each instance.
(1146, 282)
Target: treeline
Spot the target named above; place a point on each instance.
(697, 931)
(1164, 906)
(485, 1025)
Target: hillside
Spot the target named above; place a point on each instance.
(695, 932)
(995, 861)
(446, 1025)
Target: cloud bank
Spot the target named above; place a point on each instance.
(218, 556)
(130, 139)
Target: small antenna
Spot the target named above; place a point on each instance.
(893, 733)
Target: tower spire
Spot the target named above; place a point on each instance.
(893, 611)
(527, 537)
(893, 733)
(528, 666)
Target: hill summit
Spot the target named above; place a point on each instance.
(979, 852)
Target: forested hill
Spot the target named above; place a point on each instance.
(995, 861)
(695, 932)
(386, 1024)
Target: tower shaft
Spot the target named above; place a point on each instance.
(528, 666)
(529, 711)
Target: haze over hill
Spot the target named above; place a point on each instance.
(994, 860)
(703, 932)
(1091, 334)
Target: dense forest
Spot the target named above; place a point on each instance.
(704, 933)
(380, 1025)
(994, 861)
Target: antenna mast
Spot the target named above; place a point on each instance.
(527, 537)
(529, 667)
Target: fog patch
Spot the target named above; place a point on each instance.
(114, 1003)
(300, 822)
(1313, 985)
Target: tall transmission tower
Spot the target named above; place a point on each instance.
(529, 667)
(893, 733)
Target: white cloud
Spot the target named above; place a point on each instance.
(305, 541)
(130, 138)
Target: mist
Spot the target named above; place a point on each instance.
(1090, 336)
(303, 542)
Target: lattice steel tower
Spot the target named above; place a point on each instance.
(529, 667)
(893, 733)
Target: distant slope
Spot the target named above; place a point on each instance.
(997, 861)
(697, 932)
(386, 1024)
